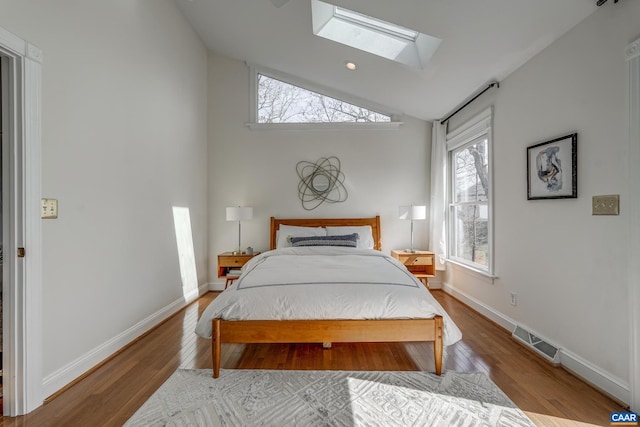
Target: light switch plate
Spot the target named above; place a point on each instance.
(49, 208)
(606, 205)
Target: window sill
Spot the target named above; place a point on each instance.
(325, 126)
(475, 271)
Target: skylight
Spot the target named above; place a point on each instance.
(373, 35)
(375, 24)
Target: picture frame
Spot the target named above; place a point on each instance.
(552, 169)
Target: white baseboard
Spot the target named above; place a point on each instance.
(600, 379)
(488, 312)
(588, 372)
(435, 284)
(67, 374)
(216, 286)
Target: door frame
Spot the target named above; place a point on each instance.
(632, 56)
(22, 277)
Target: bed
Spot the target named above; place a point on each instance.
(291, 306)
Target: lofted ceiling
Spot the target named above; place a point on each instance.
(482, 41)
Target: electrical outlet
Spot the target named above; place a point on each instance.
(49, 209)
(514, 299)
(605, 205)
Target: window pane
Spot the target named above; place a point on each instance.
(471, 172)
(471, 233)
(280, 102)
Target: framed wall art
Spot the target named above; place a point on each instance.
(552, 169)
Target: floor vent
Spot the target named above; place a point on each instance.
(548, 351)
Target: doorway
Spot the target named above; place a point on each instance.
(20, 77)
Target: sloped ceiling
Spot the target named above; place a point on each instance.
(483, 40)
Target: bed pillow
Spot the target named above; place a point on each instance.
(285, 232)
(365, 235)
(347, 240)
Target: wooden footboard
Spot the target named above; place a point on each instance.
(325, 331)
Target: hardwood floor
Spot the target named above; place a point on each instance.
(110, 394)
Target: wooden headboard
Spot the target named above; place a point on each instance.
(329, 222)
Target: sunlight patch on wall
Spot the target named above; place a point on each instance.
(186, 254)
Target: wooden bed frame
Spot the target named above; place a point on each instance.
(326, 331)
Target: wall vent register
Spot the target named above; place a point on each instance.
(540, 346)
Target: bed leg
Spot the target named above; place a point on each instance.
(215, 347)
(438, 344)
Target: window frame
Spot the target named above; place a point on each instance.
(375, 24)
(254, 71)
(473, 129)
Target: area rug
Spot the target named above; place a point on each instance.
(328, 398)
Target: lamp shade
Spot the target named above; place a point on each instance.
(239, 213)
(412, 212)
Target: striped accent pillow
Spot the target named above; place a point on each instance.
(347, 240)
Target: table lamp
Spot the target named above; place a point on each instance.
(412, 212)
(239, 213)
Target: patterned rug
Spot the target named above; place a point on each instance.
(328, 398)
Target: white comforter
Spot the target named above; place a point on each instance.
(325, 283)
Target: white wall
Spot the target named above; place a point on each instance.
(383, 169)
(568, 268)
(124, 141)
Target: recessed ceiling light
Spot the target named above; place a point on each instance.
(351, 66)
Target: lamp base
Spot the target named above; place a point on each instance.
(410, 251)
(238, 253)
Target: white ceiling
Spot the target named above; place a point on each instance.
(483, 40)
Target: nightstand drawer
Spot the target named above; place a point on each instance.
(417, 260)
(233, 261)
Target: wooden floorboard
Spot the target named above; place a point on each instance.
(110, 394)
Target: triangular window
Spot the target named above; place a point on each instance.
(282, 102)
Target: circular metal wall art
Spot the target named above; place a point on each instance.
(320, 182)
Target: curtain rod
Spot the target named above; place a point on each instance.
(492, 84)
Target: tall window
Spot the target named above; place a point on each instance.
(470, 222)
(282, 102)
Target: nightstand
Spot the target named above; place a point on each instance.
(420, 263)
(229, 263)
